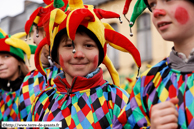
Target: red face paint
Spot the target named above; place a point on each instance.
(181, 15)
(95, 61)
(159, 12)
(78, 54)
(61, 62)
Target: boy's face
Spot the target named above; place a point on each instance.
(83, 61)
(173, 18)
(7, 69)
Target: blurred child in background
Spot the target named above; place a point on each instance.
(12, 72)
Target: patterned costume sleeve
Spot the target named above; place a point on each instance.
(44, 105)
(135, 115)
(34, 84)
(9, 105)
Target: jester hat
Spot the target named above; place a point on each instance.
(15, 46)
(39, 14)
(139, 7)
(85, 15)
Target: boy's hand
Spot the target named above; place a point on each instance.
(164, 115)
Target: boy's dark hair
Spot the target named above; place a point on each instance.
(81, 30)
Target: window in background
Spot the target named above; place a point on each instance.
(144, 41)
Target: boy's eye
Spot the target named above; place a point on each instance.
(152, 5)
(89, 45)
(167, 0)
(6, 56)
(68, 45)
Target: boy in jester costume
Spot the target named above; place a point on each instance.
(164, 94)
(36, 81)
(13, 69)
(82, 98)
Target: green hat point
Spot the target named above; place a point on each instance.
(31, 29)
(32, 48)
(139, 7)
(58, 3)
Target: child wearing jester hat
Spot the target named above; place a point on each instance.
(163, 96)
(82, 98)
(12, 72)
(36, 81)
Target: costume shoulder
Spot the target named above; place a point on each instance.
(156, 68)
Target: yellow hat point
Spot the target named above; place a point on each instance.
(75, 4)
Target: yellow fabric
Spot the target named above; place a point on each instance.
(4, 34)
(54, 34)
(75, 4)
(18, 43)
(56, 16)
(36, 20)
(107, 26)
(113, 72)
(19, 35)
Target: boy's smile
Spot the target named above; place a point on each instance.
(163, 25)
(83, 61)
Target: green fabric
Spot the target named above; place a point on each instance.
(1, 36)
(139, 7)
(32, 48)
(67, 7)
(31, 29)
(18, 52)
(58, 3)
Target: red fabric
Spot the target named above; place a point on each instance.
(45, 24)
(37, 55)
(129, 79)
(47, 2)
(105, 14)
(43, 12)
(120, 40)
(148, 79)
(63, 24)
(31, 20)
(76, 20)
(81, 83)
(4, 46)
(105, 49)
(126, 7)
